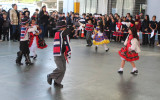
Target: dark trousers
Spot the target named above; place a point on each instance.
(108, 34)
(145, 39)
(152, 41)
(24, 47)
(15, 33)
(5, 31)
(0, 33)
(24, 50)
(89, 38)
(52, 32)
(59, 72)
(44, 29)
(124, 36)
(159, 37)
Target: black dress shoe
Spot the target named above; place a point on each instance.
(49, 80)
(19, 63)
(107, 50)
(31, 56)
(29, 63)
(120, 72)
(35, 57)
(135, 72)
(58, 85)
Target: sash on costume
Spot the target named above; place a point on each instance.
(58, 42)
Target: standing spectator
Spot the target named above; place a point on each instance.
(153, 27)
(1, 23)
(137, 23)
(106, 28)
(52, 25)
(158, 34)
(145, 30)
(68, 20)
(14, 21)
(5, 27)
(112, 28)
(43, 21)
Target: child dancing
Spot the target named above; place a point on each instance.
(130, 51)
(100, 37)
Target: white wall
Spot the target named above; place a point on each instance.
(153, 8)
(68, 5)
(102, 6)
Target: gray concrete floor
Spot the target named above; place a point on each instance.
(89, 76)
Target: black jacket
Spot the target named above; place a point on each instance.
(145, 25)
(43, 19)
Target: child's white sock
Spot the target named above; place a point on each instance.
(134, 69)
(121, 69)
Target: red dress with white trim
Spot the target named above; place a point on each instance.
(126, 54)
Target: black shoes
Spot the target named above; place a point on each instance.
(107, 50)
(88, 45)
(35, 57)
(49, 80)
(120, 72)
(134, 72)
(19, 63)
(58, 85)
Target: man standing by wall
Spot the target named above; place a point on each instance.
(14, 16)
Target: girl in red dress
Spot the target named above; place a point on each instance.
(118, 32)
(130, 51)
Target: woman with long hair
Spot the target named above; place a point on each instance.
(43, 21)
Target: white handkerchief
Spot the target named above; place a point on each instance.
(152, 34)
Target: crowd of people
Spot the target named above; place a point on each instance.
(98, 30)
(115, 27)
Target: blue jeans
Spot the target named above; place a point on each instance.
(44, 29)
(14, 30)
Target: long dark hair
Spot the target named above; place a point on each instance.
(134, 32)
(101, 27)
(147, 17)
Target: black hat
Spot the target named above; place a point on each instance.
(61, 24)
(25, 21)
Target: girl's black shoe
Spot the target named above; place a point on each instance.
(134, 72)
(120, 72)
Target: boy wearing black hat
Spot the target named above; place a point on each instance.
(61, 52)
(24, 39)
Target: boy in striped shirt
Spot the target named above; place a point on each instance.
(24, 40)
(89, 28)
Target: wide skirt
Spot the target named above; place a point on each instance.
(128, 55)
